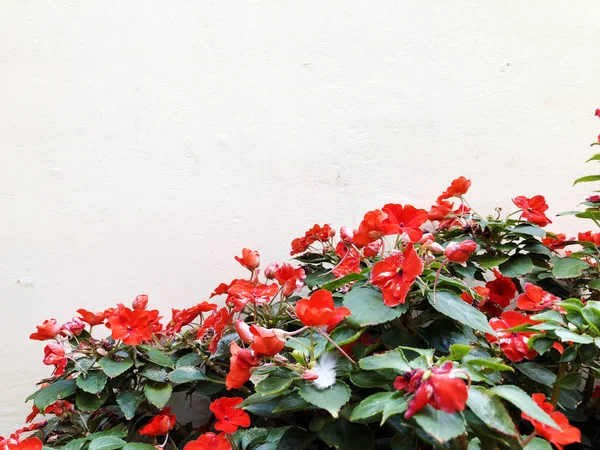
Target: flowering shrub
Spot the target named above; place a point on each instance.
(421, 329)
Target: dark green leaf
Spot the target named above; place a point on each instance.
(114, 368)
(343, 435)
(154, 373)
(453, 306)
(568, 267)
(537, 373)
(529, 229)
(394, 359)
(367, 307)
(440, 425)
(58, 390)
(490, 410)
(538, 444)
(106, 443)
(128, 401)
(157, 357)
(569, 381)
(489, 261)
(525, 403)
(336, 284)
(158, 393)
(371, 406)
(186, 374)
(567, 335)
(90, 402)
(516, 266)
(273, 385)
(191, 359)
(331, 399)
(138, 446)
(93, 382)
(459, 351)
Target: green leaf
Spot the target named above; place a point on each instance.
(516, 266)
(587, 179)
(93, 382)
(367, 307)
(273, 385)
(156, 356)
(529, 229)
(525, 403)
(394, 359)
(595, 283)
(75, 444)
(331, 399)
(158, 393)
(191, 359)
(489, 261)
(439, 425)
(453, 306)
(128, 401)
(371, 406)
(120, 431)
(344, 335)
(568, 267)
(567, 335)
(396, 405)
(491, 411)
(154, 373)
(537, 373)
(90, 402)
(186, 374)
(336, 284)
(538, 444)
(569, 381)
(318, 278)
(207, 388)
(292, 402)
(596, 157)
(591, 314)
(490, 363)
(106, 443)
(58, 390)
(138, 446)
(114, 368)
(370, 379)
(343, 435)
(459, 351)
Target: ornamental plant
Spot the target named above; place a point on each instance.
(434, 328)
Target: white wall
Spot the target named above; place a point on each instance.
(144, 143)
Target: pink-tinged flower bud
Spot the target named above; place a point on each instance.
(428, 258)
(73, 327)
(309, 376)
(427, 238)
(372, 249)
(460, 251)
(280, 359)
(243, 329)
(346, 234)
(140, 302)
(250, 259)
(271, 269)
(53, 354)
(435, 248)
(101, 351)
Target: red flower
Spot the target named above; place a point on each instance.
(244, 292)
(396, 274)
(460, 251)
(593, 198)
(160, 424)
(290, 278)
(181, 318)
(316, 233)
(14, 443)
(407, 219)
(132, 326)
(588, 236)
(209, 441)
(229, 418)
(481, 291)
(267, 342)
(533, 209)
(48, 330)
(350, 261)
(440, 210)
(213, 327)
(371, 250)
(250, 259)
(514, 345)
(502, 289)
(92, 318)
(457, 188)
(436, 386)
(370, 229)
(567, 434)
(536, 299)
(597, 113)
(319, 310)
(140, 302)
(54, 355)
(240, 363)
(555, 241)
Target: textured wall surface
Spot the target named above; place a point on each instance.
(144, 143)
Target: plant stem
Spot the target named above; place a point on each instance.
(326, 336)
(562, 368)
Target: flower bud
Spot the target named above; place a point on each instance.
(435, 248)
(346, 234)
(250, 259)
(271, 269)
(460, 251)
(140, 302)
(243, 329)
(309, 376)
(426, 238)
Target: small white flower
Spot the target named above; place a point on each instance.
(325, 369)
